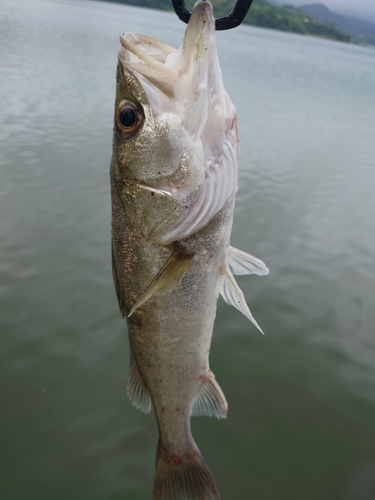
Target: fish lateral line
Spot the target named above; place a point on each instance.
(169, 275)
(173, 185)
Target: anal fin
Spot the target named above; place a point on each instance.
(137, 390)
(168, 276)
(210, 401)
(233, 295)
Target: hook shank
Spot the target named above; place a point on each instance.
(232, 20)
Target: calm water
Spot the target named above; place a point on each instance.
(301, 424)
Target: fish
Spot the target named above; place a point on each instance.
(173, 178)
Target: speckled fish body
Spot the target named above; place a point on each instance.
(173, 183)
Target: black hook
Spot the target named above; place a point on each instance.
(232, 20)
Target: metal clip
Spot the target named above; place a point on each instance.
(232, 20)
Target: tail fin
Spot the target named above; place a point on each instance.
(185, 477)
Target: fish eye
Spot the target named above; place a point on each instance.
(128, 119)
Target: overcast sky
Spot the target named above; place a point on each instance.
(357, 8)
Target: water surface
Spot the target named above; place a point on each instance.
(301, 423)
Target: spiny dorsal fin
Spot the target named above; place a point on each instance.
(243, 263)
(137, 390)
(233, 295)
(210, 400)
(120, 296)
(168, 276)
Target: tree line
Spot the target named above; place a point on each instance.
(263, 14)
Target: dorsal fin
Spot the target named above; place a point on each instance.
(168, 276)
(137, 390)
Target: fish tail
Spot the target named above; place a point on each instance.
(184, 477)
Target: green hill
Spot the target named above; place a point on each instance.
(362, 31)
(288, 18)
(263, 14)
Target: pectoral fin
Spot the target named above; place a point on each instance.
(233, 295)
(168, 276)
(243, 263)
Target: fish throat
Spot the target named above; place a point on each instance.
(184, 87)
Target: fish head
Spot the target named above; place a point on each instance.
(175, 138)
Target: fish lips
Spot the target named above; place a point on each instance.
(184, 76)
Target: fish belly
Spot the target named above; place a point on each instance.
(170, 334)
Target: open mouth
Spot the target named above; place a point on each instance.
(187, 83)
(174, 72)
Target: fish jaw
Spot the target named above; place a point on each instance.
(157, 172)
(186, 108)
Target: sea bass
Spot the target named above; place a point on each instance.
(173, 183)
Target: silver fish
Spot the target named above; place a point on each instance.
(173, 184)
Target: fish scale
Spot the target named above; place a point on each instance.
(173, 183)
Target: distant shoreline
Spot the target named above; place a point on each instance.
(264, 15)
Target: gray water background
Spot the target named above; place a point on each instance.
(301, 424)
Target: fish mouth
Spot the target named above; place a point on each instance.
(147, 58)
(187, 83)
(180, 76)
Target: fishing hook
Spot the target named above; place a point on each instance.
(232, 20)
